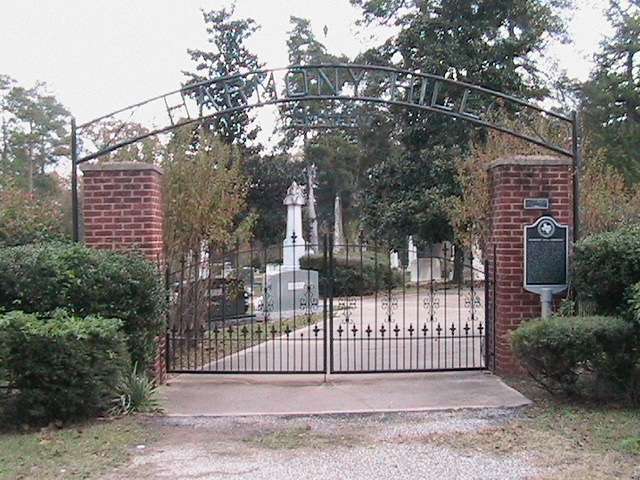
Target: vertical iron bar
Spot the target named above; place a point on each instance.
(331, 279)
(325, 285)
(75, 207)
(577, 170)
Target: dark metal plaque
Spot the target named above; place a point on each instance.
(546, 255)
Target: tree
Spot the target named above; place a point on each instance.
(109, 131)
(269, 177)
(491, 43)
(205, 193)
(611, 96)
(229, 55)
(402, 199)
(305, 49)
(34, 132)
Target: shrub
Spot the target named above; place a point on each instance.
(564, 353)
(62, 367)
(84, 281)
(26, 219)
(633, 302)
(353, 277)
(605, 266)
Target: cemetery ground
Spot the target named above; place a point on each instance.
(552, 439)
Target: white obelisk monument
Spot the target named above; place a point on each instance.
(293, 246)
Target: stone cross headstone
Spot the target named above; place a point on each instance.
(338, 232)
(294, 246)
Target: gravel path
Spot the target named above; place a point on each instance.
(367, 447)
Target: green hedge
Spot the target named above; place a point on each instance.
(62, 367)
(353, 277)
(566, 354)
(84, 281)
(605, 266)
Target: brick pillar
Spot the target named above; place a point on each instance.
(123, 210)
(511, 181)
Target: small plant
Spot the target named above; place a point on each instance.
(137, 393)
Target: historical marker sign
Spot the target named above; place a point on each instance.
(546, 258)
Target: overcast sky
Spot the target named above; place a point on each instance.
(99, 55)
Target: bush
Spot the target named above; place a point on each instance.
(84, 281)
(605, 266)
(26, 219)
(633, 301)
(565, 354)
(62, 367)
(353, 277)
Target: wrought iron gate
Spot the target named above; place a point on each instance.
(352, 308)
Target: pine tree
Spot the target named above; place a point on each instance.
(229, 55)
(611, 96)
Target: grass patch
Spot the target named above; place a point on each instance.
(571, 440)
(299, 438)
(82, 451)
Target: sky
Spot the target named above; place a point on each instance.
(100, 55)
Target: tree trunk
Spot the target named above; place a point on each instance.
(458, 264)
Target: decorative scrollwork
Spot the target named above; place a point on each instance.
(265, 304)
(309, 302)
(390, 304)
(347, 305)
(431, 304)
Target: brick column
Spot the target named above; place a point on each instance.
(123, 210)
(511, 181)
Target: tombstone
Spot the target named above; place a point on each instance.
(426, 268)
(338, 232)
(394, 259)
(289, 288)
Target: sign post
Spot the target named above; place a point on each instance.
(546, 260)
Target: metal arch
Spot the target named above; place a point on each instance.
(299, 84)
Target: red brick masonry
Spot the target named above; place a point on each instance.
(511, 181)
(122, 210)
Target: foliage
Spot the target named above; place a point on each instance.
(137, 393)
(62, 367)
(493, 44)
(469, 213)
(606, 200)
(110, 131)
(269, 178)
(611, 96)
(633, 301)
(354, 276)
(564, 353)
(406, 197)
(205, 192)
(25, 218)
(33, 132)
(229, 55)
(41, 278)
(605, 265)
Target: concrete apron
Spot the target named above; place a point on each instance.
(244, 395)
